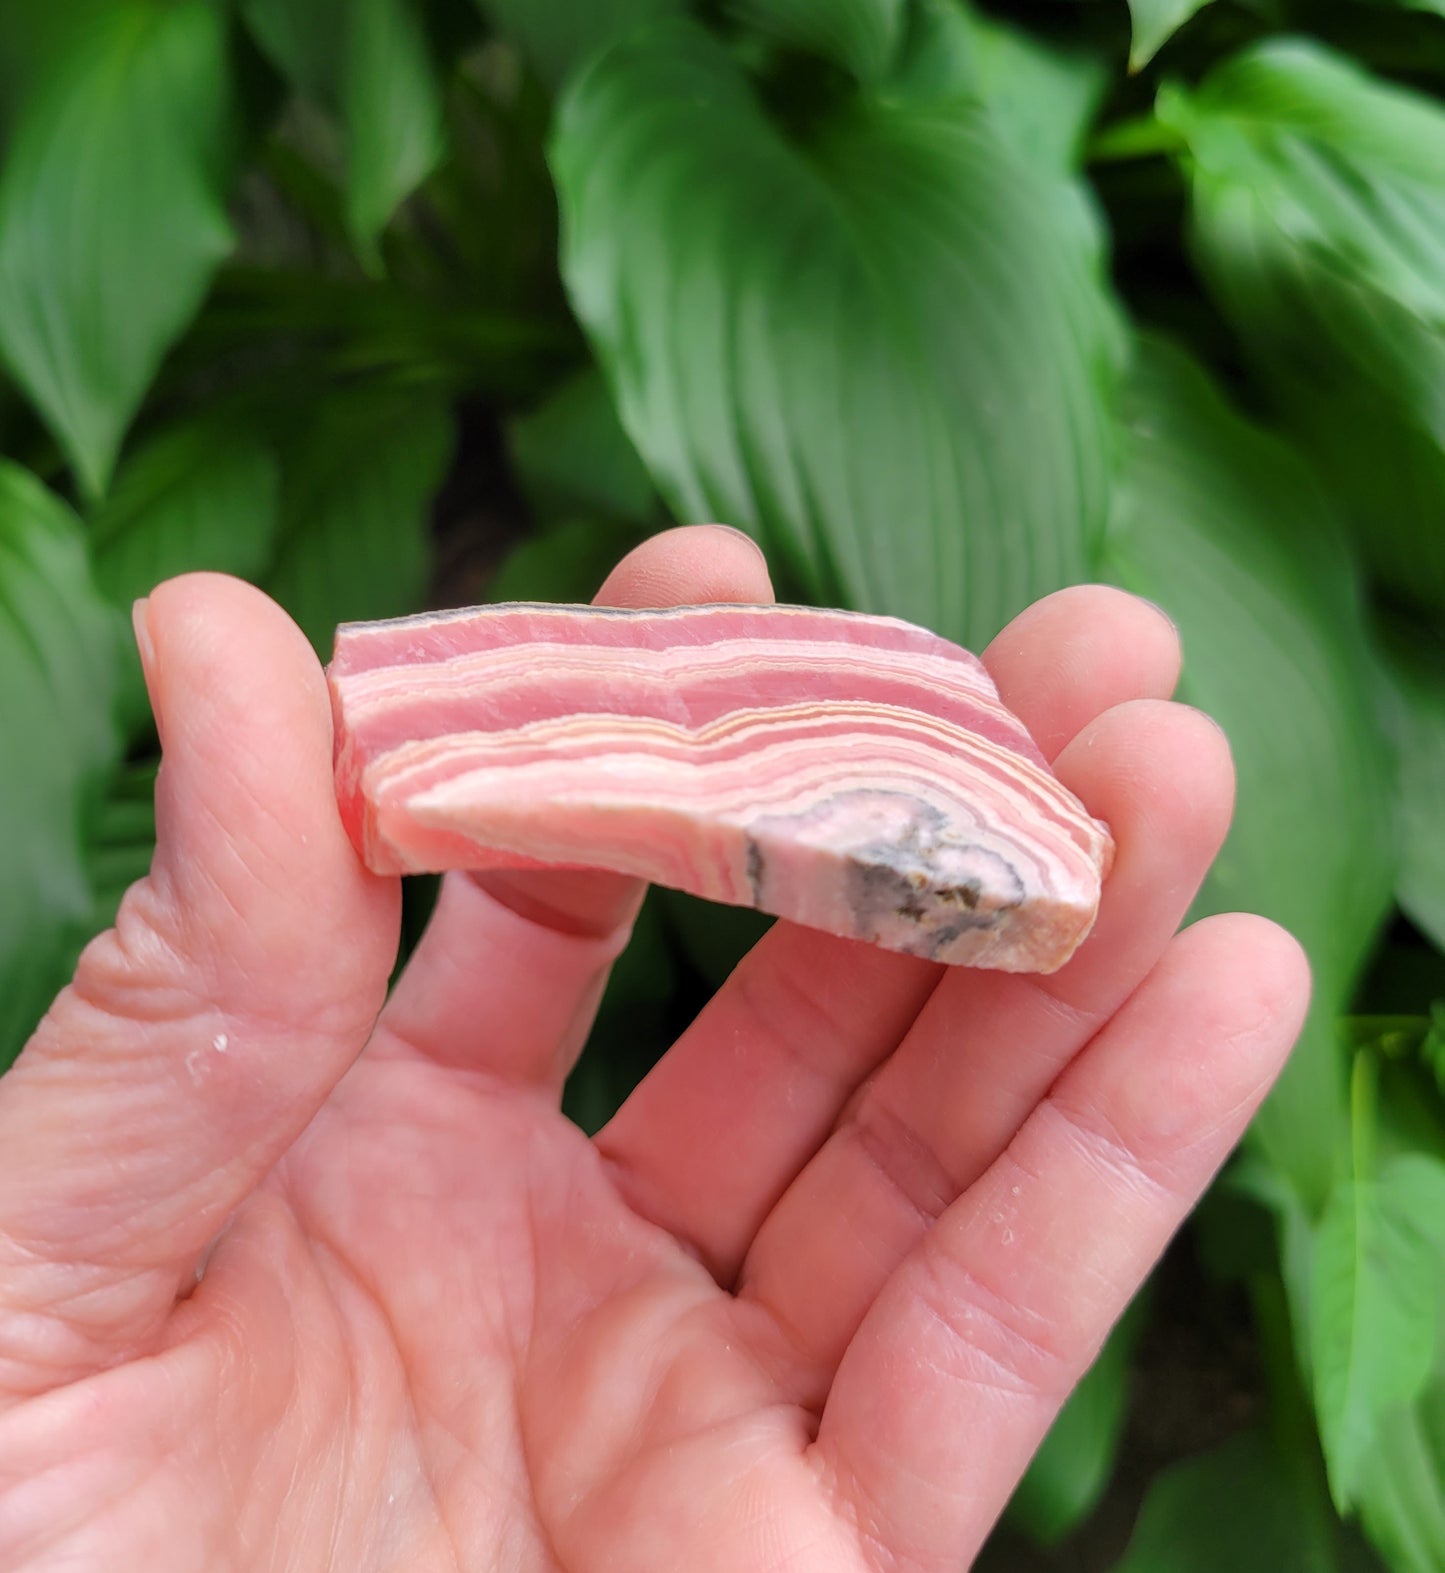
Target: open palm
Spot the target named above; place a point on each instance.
(283, 1286)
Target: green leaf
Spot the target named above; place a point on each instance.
(112, 218)
(713, 938)
(1402, 1485)
(558, 36)
(356, 485)
(201, 495)
(1154, 23)
(1043, 98)
(1235, 1508)
(1416, 667)
(393, 105)
(567, 562)
(57, 651)
(862, 36)
(632, 1028)
(122, 840)
(1227, 529)
(857, 350)
(1319, 223)
(33, 35)
(571, 455)
(1375, 1307)
(367, 62)
(301, 37)
(1069, 1472)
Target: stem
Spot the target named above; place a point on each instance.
(1144, 136)
(1364, 1085)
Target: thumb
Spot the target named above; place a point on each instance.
(203, 1032)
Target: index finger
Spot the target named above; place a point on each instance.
(513, 963)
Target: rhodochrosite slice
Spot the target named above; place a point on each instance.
(853, 773)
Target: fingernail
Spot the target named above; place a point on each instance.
(743, 535)
(140, 622)
(1165, 615)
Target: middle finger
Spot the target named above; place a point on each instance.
(989, 1045)
(718, 1130)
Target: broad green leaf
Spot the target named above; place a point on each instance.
(863, 36)
(368, 63)
(122, 840)
(566, 562)
(559, 36)
(1154, 23)
(1435, 7)
(1417, 677)
(33, 35)
(201, 495)
(1235, 1509)
(1043, 97)
(1402, 1485)
(1432, 1050)
(1253, 1177)
(1319, 222)
(393, 105)
(1233, 1234)
(571, 455)
(1375, 1307)
(714, 939)
(112, 217)
(632, 1028)
(302, 38)
(356, 488)
(643, 976)
(857, 350)
(1227, 529)
(1402, 1478)
(57, 653)
(1069, 1472)
(1288, 1491)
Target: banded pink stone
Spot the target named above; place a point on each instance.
(853, 773)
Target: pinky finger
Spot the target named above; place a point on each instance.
(967, 1354)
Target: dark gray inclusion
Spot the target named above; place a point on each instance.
(755, 869)
(920, 869)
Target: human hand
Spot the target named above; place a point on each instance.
(285, 1286)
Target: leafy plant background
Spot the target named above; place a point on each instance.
(383, 303)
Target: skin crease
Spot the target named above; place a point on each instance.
(810, 1301)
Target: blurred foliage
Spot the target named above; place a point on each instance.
(381, 303)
